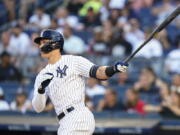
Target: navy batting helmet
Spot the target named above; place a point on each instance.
(54, 37)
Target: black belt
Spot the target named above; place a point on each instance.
(61, 115)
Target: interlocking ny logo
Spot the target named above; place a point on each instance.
(61, 72)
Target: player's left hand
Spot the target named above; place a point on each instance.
(47, 77)
(121, 67)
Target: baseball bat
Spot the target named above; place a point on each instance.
(155, 32)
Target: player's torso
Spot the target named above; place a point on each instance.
(67, 86)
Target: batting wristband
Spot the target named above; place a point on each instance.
(93, 71)
(41, 91)
(110, 71)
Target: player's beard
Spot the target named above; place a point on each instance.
(45, 55)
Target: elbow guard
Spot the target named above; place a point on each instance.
(93, 71)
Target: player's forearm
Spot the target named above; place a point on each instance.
(105, 72)
(39, 102)
(101, 73)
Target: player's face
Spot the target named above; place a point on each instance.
(42, 43)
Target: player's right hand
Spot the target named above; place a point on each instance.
(121, 67)
(47, 77)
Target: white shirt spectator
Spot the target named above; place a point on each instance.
(118, 4)
(134, 37)
(3, 49)
(23, 109)
(173, 61)
(74, 45)
(96, 90)
(152, 49)
(43, 22)
(19, 45)
(70, 20)
(3, 104)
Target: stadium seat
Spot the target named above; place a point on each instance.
(84, 35)
(96, 99)
(10, 90)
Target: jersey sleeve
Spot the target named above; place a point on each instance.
(83, 66)
(39, 100)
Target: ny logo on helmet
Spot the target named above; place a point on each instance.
(61, 72)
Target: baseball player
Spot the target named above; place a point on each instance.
(63, 81)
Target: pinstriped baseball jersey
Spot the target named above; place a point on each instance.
(68, 85)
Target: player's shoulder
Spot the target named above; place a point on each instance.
(73, 57)
(41, 72)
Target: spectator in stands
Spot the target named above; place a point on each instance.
(171, 108)
(91, 20)
(21, 103)
(33, 50)
(119, 45)
(62, 16)
(89, 103)
(168, 108)
(74, 6)
(104, 10)
(107, 32)
(175, 83)
(3, 103)
(164, 93)
(172, 62)
(165, 41)
(99, 46)
(152, 49)
(163, 10)
(114, 16)
(134, 34)
(4, 44)
(123, 79)
(148, 81)
(8, 72)
(93, 88)
(26, 7)
(40, 19)
(110, 102)
(19, 41)
(11, 8)
(117, 4)
(133, 103)
(72, 41)
(94, 4)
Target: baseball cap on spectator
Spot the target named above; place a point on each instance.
(21, 91)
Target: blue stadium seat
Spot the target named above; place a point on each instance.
(10, 113)
(102, 114)
(84, 35)
(10, 90)
(150, 98)
(121, 91)
(96, 99)
(124, 114)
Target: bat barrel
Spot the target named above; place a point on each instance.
(173, 15)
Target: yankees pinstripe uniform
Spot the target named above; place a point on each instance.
(63, 81)
(67, 89)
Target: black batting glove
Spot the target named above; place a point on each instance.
(47, 79)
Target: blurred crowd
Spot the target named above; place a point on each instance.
(100, 30)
